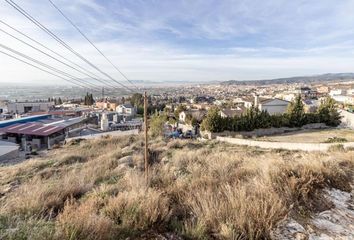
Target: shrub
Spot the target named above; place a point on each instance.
(328, 113)
(335, 148)
(157, 125)
(83, 221)
(335, 140)
(138, 210)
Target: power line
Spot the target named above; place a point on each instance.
(56, 59)
(47, 66)
(30, 64)
(54, 52)
(84, 35)
(41, 26)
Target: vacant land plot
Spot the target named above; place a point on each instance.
(96, 190)
(312, 136)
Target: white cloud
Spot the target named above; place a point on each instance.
(192, 40)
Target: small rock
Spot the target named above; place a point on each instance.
(165, 160)
(128, 160)
(126, 150)
(301, 236)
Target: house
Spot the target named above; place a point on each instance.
(310, 105)
(306, 92)
(197, 114)
(336, 92)
(248, 101)
(126, 109)
(106, 105)
(224, 113)
(37, 133)
(346, 99)
(26, 107)
(273, 106)
(323, 89)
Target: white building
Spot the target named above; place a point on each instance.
(126, 109)
(104, 122)
(344, 99)
(25, 107)
(273, 106)
(335, 92)
(197, 114)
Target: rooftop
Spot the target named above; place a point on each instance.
(23, 120)
(36, 129)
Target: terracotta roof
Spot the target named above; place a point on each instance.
(35, 129)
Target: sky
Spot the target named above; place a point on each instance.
(187, 40)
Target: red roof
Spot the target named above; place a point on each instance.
(36, 129)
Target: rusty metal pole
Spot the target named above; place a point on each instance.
(146, 155)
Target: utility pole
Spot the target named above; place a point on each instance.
(146, 156)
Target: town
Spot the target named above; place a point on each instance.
(45, 124)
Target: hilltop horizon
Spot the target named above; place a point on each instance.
(318, 77)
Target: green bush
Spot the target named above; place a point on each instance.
(335, 140)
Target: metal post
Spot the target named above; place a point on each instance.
(146, 157)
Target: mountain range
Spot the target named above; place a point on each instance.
(328, 77)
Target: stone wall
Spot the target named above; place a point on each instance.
(261, 132)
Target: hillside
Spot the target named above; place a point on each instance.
(301, 79)
(198, 190)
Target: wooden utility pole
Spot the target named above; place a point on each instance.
(146, 156)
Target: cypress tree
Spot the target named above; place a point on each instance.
(296, 112)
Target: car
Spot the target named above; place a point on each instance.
(188, 134)
(175, 134)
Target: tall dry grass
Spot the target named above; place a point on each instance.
(196, 191)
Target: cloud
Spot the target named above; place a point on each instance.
(192, 40)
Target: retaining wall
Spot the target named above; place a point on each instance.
(347, 119)
(113, 134)
(10, 155)
(262, 131)
(284, 145)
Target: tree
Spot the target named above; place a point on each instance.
(179, 109)
(194, 122)
(89, 101)
(60, 101)
(157, 124)
(213, 122)
(296, 112)
(137, 100)
(328, 113)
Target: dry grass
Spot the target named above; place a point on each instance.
(312, 136)
(197, 190)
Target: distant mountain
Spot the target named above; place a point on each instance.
(302, 79)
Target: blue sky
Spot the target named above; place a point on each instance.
(199, 40)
